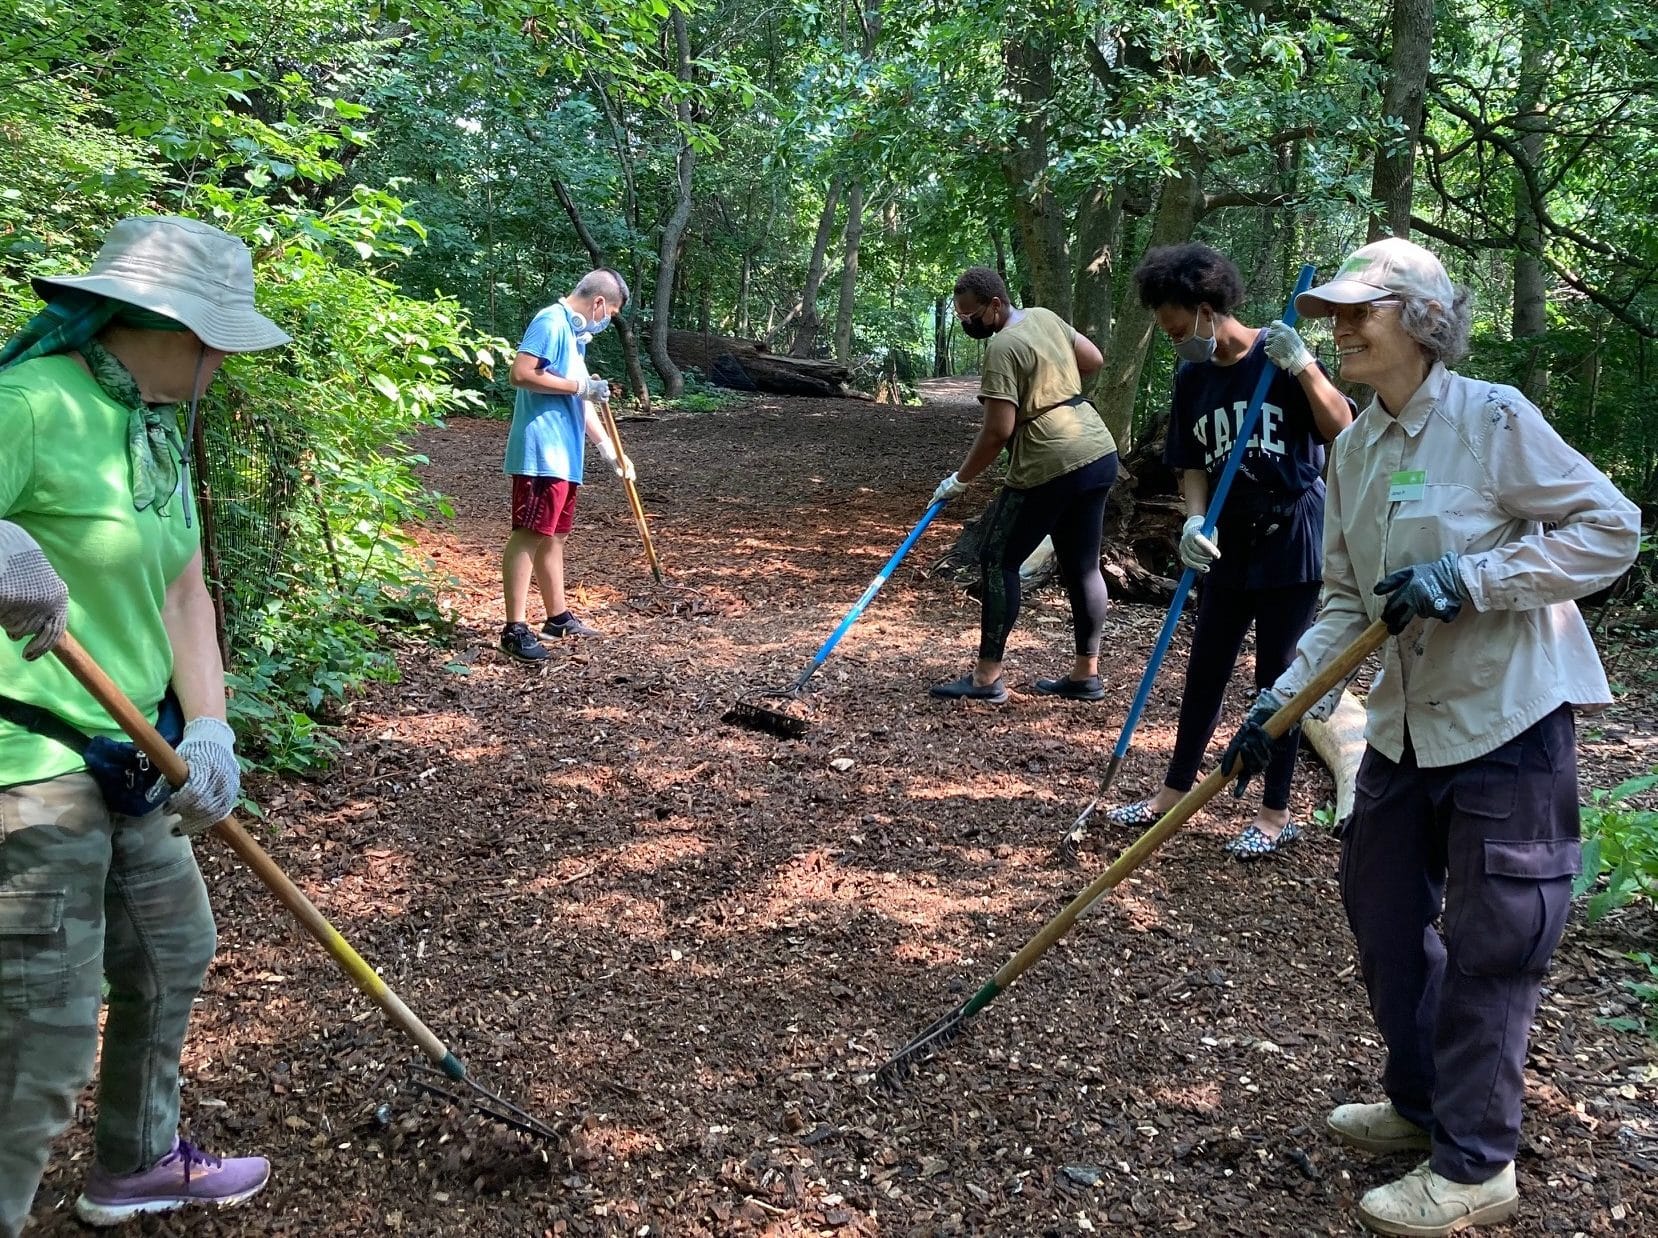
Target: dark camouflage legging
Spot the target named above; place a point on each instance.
(84, 895)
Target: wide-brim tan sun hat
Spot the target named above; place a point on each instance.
(184, 269)
(1390, 267)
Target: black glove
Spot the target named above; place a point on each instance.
(1252, 745)
(1423, 591)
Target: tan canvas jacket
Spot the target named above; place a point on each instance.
(1537, 527)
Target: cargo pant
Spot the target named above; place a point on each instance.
(1495, 840)
(85, 895)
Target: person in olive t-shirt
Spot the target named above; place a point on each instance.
(1062, 462)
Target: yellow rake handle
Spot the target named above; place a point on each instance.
(173, 768)
(609, 419)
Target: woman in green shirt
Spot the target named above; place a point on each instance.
(97, 878)
(1062, 462)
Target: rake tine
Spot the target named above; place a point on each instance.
(951, 1025)
(1066, 850)
(480, 1100)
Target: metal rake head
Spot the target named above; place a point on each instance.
(929, 1041)
(468, 1093)
(758, 718)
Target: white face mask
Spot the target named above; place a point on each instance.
(1195, 348)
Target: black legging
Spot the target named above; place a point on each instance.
(1223, 618)
(1070, 508)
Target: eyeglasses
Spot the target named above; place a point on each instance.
(1358, 315)
(961, 317)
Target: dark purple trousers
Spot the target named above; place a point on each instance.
(1495, 841)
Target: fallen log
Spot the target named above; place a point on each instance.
(748, 365)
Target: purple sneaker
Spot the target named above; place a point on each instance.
(186, 1175)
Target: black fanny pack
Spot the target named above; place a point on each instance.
(129, 781)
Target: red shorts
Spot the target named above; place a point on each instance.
(545, 505)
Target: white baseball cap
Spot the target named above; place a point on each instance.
(1390, 267)
(185, 270)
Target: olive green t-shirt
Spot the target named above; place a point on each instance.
(1033, 365)
(65, 477)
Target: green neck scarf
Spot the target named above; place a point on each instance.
(71, 322)
(154, 447)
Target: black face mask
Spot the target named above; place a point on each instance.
(976, 328)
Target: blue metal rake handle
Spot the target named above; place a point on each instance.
(1252, 417)
(886, 571)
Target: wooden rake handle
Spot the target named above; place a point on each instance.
(1336, 671)
(173, 768)
(609, 419)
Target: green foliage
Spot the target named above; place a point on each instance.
(1646, 992)
(1620, 844)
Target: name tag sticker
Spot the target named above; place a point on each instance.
(1407, 485)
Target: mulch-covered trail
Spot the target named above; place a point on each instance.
(688, 945)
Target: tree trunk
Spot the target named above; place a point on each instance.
(1038, 215)
(1099, 222)
(673, 382)
(941, 338)
(805, 335)
(624, 332)
(1394, 175)
(849, 271)
(1118, 385)
(1530, 288)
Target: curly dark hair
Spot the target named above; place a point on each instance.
(984, 284)
(1189, 275)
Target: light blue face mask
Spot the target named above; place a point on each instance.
(1195, 348)
(598, 325)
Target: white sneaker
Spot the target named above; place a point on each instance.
(1424, 1205)
(1377, 1128)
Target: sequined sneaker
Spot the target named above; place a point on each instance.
(1254, 842)
(185, 1176)
(1139, 814)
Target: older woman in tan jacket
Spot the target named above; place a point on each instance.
(1457, 515)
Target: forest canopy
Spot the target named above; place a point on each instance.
(418, 178)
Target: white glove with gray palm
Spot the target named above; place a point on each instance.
(215, 782)
(34, 602)
(1196, 551)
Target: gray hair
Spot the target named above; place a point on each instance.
(605, 282)
(1440, 330)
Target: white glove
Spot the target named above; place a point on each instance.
(1196, 551)
(624, 469)
(948, 489)
(34, 601)
(607, 450)
(1286, 349)
(215, 783)
(595, 388)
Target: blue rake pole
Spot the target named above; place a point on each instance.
(746, 713)
(1252, 416)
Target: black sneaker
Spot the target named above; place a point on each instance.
(1090, 689)
(964, 689)
(517, 641)
(570, 626)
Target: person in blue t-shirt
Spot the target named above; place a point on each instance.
(1263, 565)
(552, 418)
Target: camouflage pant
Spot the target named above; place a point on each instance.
(85, 895)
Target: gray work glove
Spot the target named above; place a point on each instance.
(215, 783)
(1196, 551)
(1286, 349)
(596, 389)
(1252, 745)
(951, 487)
(1423, 591)
(34, 602)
